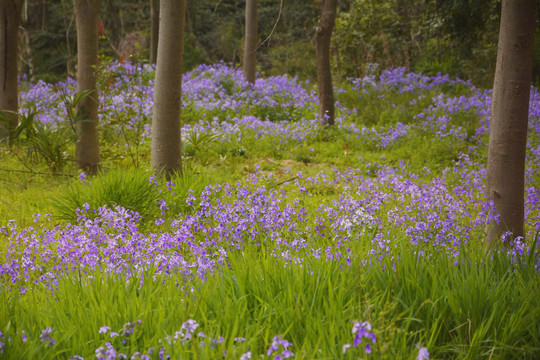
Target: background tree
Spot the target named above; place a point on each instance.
(323, 37)
(10, 14)
(509, 117)
(166, 124)
(250, 41)
(455, 37)
(112, 22)
(87, 147)
(154, 30)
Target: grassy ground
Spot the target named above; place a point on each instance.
(282, 238)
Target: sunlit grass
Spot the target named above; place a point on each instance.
(462, 310)
(370, 198)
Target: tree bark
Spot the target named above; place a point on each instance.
(250, 41)
(509, 118)
(166, 124)
(323, 36)
(10, 15)
(87, 147)
(154, 31)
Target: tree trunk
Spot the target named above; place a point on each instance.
(250, 41)
(10, 14)
(113, 25)
(509, 118)
(166, 143)
(324, 72)
(87, 147)
(154, 31)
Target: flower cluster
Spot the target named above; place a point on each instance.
(361, 331)
(277, 344)
(124, 333)
(45, 336)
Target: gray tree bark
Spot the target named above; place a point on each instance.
(154, 31)
(10, 15)
(250, 41)
(509, 118)
(87, 147)
(323, 36)
(166, 124)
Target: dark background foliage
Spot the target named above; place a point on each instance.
(458, 37)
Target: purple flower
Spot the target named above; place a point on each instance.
(107, 352)
(82, 177)
(423, 353)
(44, 336)
(362, 330)
(368, 349)
(278, 342)
(287, 353)
(140, 356)
(190, 326)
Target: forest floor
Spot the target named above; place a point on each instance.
(282, 238)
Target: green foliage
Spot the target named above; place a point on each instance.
(478, 309)
(129, 188)
(458, 37)
(299, 60)
(48, 141)
(181, 187)
(195, 142)
(52, 34)
(376, 32)
(127, 124)
(455, 37)
(51, 142)
(468, 306)
(193, 55)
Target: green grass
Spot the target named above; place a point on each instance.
(477, 309)
(484, 306)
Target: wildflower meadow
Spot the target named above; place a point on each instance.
(283, 238)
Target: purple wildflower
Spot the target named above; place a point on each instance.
(44, 336)
(423, 353)
(362, 330)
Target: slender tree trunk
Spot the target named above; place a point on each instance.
(87, 148)
(154, 31)
(26, 57)
(324, 72)
(166, 124)
(509, 117)
(10, 14)
(250, 41)
(114, 22)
